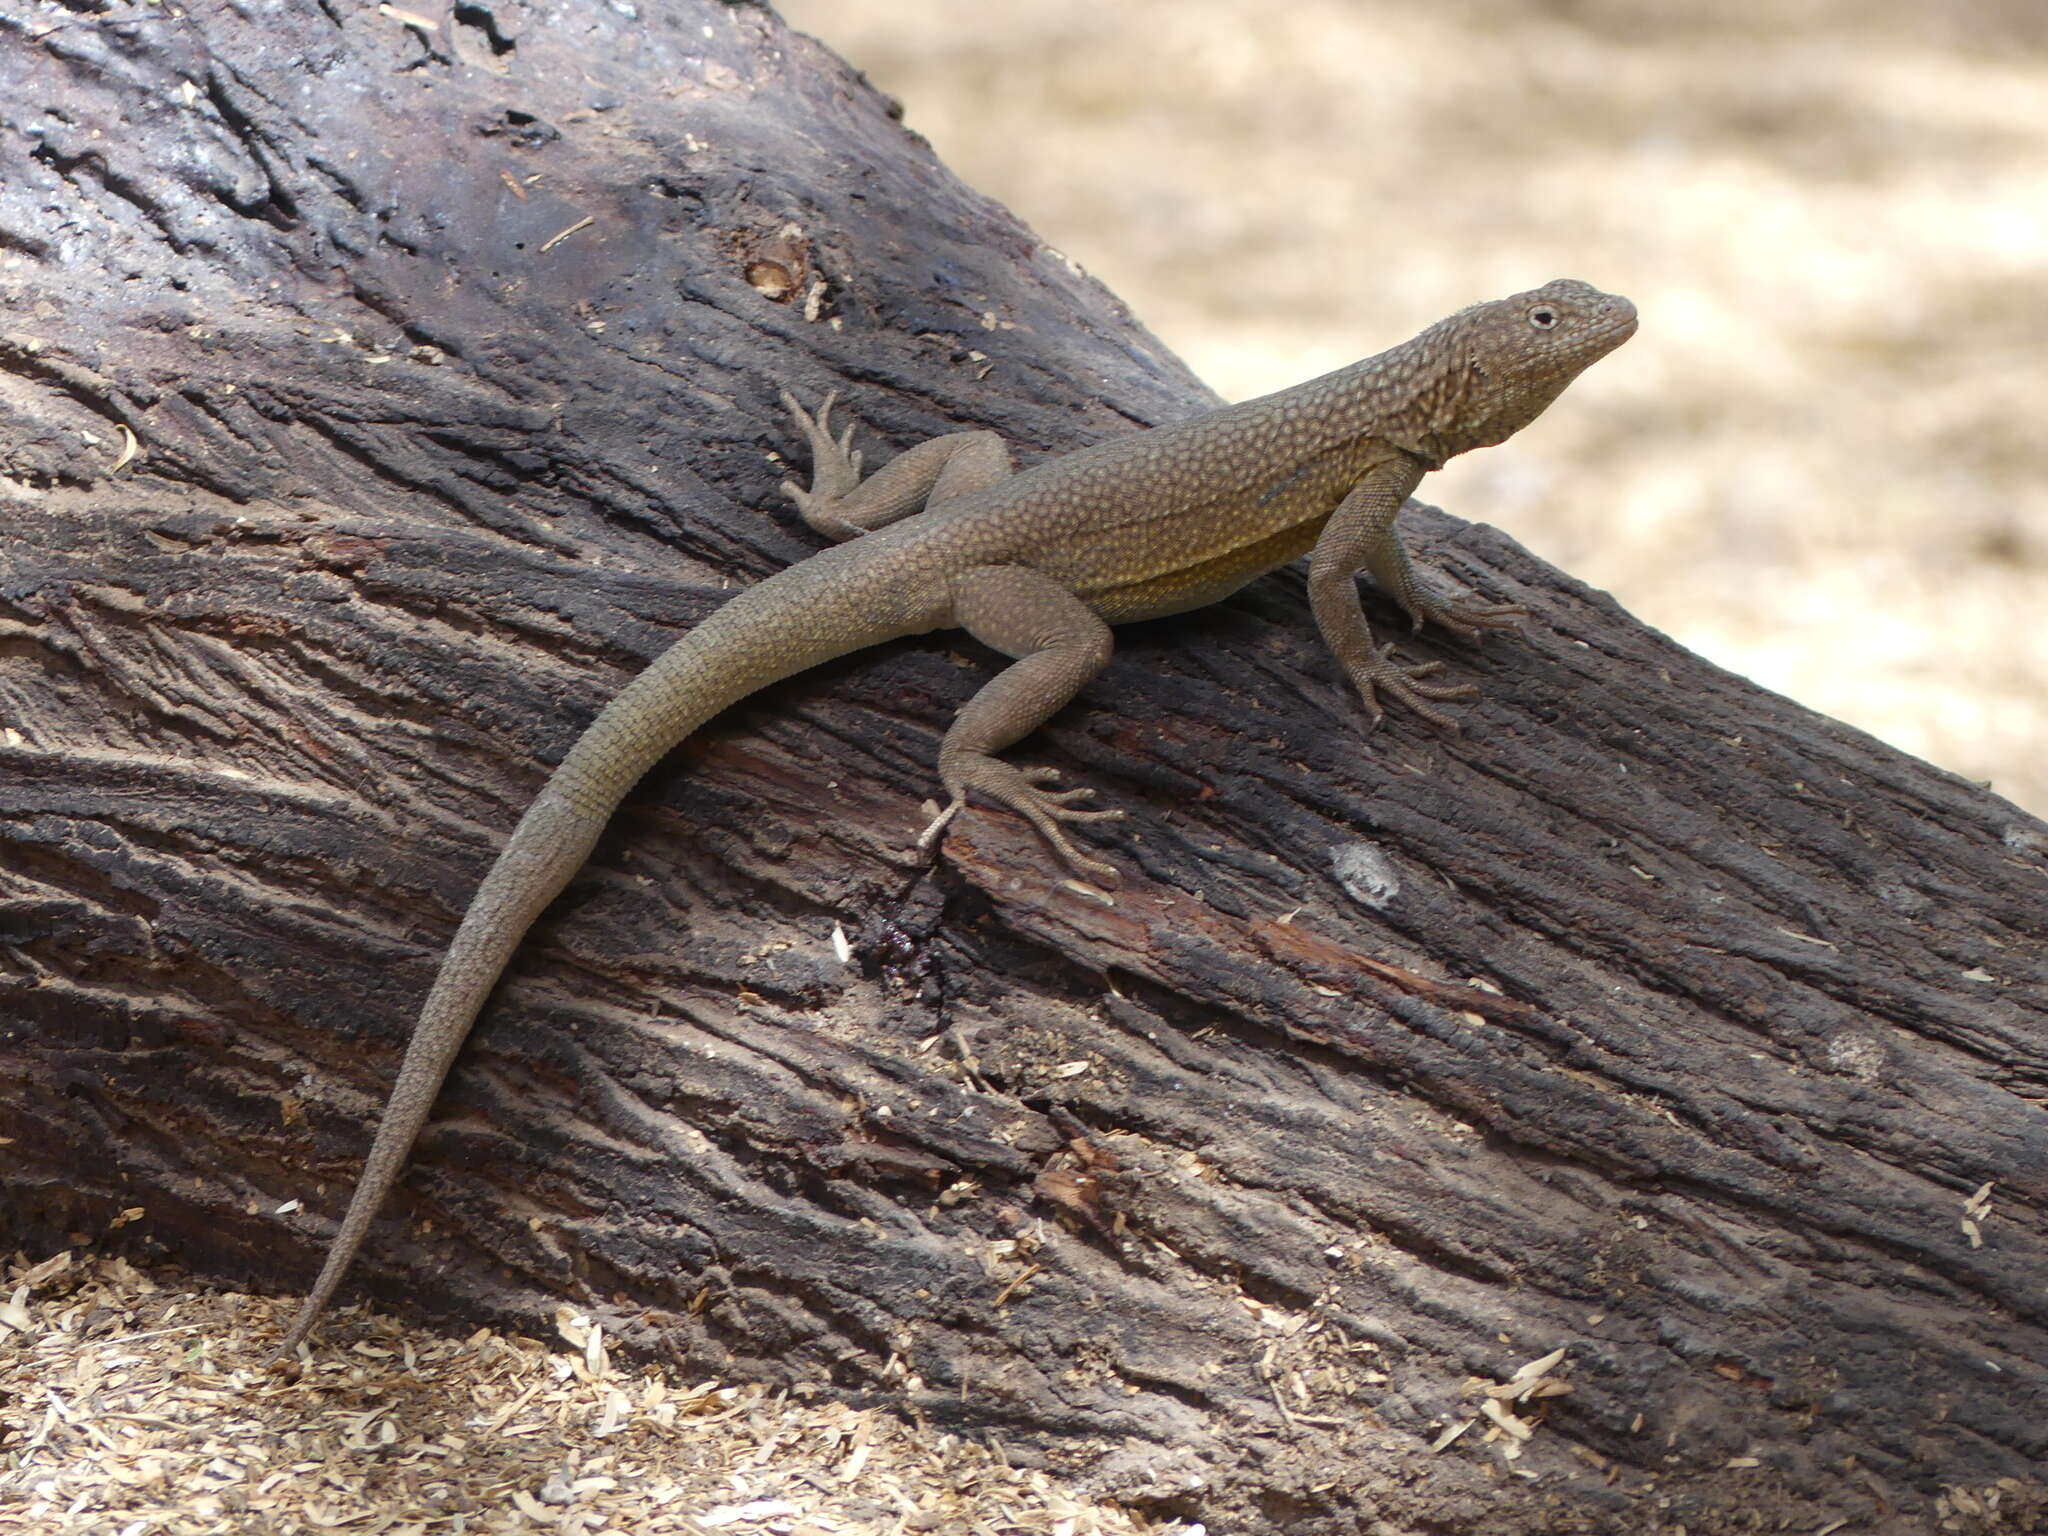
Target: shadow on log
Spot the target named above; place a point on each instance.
(376, 396)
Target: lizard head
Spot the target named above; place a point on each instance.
(1502, 362)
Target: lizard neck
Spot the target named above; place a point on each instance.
(1393, 399)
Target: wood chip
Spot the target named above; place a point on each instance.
(556, 239)
(1508, 1423)
(412, 19)
(1540, 1367)
(1450, 1436)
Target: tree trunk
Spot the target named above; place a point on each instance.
(381, 391)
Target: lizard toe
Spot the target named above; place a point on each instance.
(1403, 681)
(1469, 621)
(1018, 789)
(835, 463)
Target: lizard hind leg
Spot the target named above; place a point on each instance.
(1059, 643)
(841, 505)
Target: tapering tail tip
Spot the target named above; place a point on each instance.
(783, 626)
(303, 1320)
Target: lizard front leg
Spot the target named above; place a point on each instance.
(1059, 643)
(1360, 535)
(842, 506)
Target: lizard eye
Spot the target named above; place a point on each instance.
(1543, 317)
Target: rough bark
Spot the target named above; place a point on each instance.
(1650, 1016)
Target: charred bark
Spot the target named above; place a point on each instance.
(376, 396)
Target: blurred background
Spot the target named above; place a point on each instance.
(1821, 463)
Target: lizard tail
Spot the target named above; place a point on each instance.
(758, 638)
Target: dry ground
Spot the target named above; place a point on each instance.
(1821, 461)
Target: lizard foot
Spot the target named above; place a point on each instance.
(835, 463)
(1403, 680)
(1018, 788)
(1463, 618)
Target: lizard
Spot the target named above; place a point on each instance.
(1036, 564)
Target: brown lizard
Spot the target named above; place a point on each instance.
(1037, 565)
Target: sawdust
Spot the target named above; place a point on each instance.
(144, 1409)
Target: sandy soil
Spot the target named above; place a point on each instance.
(1821, 462)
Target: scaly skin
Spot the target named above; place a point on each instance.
(1037, 565)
